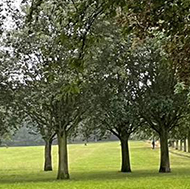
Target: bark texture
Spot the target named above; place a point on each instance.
(125, 163)
(63, 172)
(48, 159)
(164, 152)
(177, 144)
(185, 145)
(181, 145)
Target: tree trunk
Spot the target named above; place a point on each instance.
(48, 161)
(164, 152)
(189, 141)
(125, 164)
(177, 144)
(181, 145)
(63, 172)
(185, 145)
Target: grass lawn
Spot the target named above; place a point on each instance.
(95, 166)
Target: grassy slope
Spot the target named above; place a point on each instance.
(92, 166)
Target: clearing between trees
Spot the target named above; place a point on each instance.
(95, 166)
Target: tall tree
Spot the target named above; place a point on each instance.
(121, 119)
(162, 108)
(113, 97)
(46, 54)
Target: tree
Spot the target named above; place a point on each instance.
(67, 111)
(45, 54)
(161, 108)
(182, 132)
(121, 119)
(113, 96)
(38, 116)
(146, 18)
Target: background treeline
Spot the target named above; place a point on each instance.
(24, 137)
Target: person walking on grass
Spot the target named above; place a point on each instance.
(153, 144)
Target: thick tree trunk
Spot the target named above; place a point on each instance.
(185, 145)
(48, 161)
(189, 141)
(177, 144)
(181, 145)
(125, 163)
(164, 152)
(63, 172)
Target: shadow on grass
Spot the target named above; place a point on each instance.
(91, 176)
(144, 148)
(107, 175)
(180, 154)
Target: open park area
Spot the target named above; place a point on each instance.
(97, 93)
(95, 166)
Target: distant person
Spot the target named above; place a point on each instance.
(153, 144)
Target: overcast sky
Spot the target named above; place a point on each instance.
(16, 3)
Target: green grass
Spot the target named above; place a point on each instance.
(95, 166)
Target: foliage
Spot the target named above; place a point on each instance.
(171, 17)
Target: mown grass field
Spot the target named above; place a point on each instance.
(95, 166)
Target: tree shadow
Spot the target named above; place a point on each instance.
(90, 176)
(109, 175)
